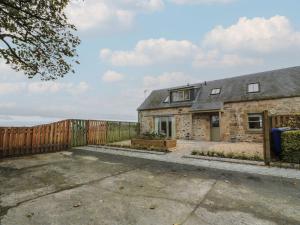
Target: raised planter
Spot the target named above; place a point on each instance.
(154, 144)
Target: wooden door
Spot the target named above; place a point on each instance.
(215, 128)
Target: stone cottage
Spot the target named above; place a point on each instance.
(222, 110)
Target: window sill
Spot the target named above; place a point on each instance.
(254, 131)
(181, 101)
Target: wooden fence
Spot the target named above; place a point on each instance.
(276, 121)
(15, 141)
(292, 121)
(97, 132)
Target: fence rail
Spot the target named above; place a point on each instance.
(97, 132)
(285, 121)
(15, 141)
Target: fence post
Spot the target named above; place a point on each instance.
(106, 131)
(266, 129)
(138, 129)
(87, 128)
(129, 130)
(69, 145)
(119, 131)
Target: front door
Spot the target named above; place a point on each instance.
(215, 128)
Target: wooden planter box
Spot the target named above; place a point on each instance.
(162, 145)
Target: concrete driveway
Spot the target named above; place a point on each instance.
(88, 188)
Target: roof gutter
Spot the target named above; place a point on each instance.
(206, 111)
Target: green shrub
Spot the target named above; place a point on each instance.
(194, 152)
(153, 136)
(220, 154)
(256, 157)
(291, 146)
(230, 155)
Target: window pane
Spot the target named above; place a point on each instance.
(180, 95)
(163, 129)
(177, 96)
(253, 88)
(254, 125)
(215, 121)
(215, 91)
(170, 128)
(255, 121)
(165, 125)
(167, 99)
(187, 95)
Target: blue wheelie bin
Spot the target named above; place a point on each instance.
(276, 139)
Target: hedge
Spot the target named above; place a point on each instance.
(291, 146)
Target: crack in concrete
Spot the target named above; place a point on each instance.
(4, 210)
(248, 210)
(148, 196)
(200, 203)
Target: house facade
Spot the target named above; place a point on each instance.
(222, 110)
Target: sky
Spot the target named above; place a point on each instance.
(131, 47)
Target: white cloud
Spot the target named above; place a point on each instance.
(81, 87)
(258, 34)
(54, 87)
(162, 51)
(148, 52)
(7, 105)
(42, 87)
(108, 15)
(245, 43)
(123, 58)
(117, 14)
(7, 73)
(11, 87)
(214, 58)
(194, 2)
(147, 5)
(167, 80)
(25, 120)
(112, 76)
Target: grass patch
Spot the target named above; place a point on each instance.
(230, 155)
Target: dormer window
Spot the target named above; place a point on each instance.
(215, 91)
(181, 95)
(254, 87)
(167, 100)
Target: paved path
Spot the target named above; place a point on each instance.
(177, 157)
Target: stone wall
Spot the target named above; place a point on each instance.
(183, 120)
(233, 123)
(201, 127)
(234, 120)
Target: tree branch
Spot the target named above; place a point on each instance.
(28, 13)
(13, 52)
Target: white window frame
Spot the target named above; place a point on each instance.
(251, 115)
(166, 119)
(253, 88)
(215, 91)
(182, 95)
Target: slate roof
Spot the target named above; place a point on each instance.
(273, 84)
